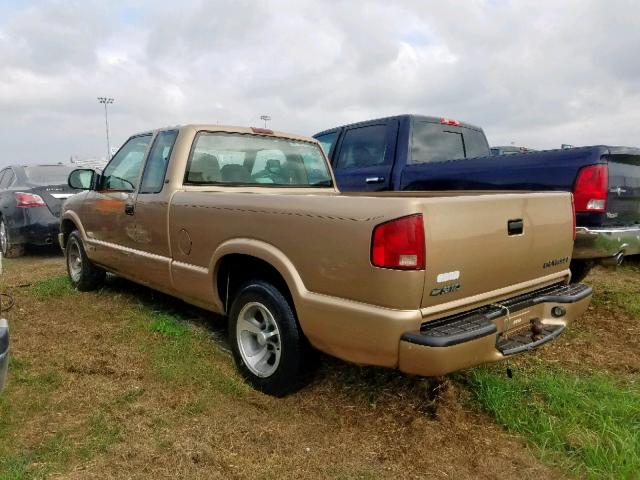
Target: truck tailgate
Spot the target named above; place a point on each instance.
(477, 244)
(623, 199)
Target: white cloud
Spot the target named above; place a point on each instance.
(538, 73)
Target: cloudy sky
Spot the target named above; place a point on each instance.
(537, 73)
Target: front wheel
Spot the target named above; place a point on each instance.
(268, 347)
(84, 275)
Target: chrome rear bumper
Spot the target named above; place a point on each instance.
(606, 243)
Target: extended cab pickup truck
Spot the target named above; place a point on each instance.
(248, 223)
(412, 152)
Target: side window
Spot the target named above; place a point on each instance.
(327, 141)
(156, 166)
(124, 169)
(363, 147)
(6, 178)
(10, 177)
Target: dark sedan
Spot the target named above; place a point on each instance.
(31, 198)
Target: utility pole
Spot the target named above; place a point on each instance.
(106, 101)
(266, 118)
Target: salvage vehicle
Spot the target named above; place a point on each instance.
(248, 223)
(31, 197)
(414, 152)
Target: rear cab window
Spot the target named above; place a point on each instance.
(434, 142)
(243, 159)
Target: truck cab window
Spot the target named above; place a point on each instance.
(123, 170)
(432, 142)
(363, 147)
(237, 159)
(327, 140)
(156, 167)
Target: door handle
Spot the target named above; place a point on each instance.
(515, 227)
(129, 209)
(374, 179)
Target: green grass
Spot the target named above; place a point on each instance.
(185, 356)
(168, 326)
(587, 423)
(53, 287)
(612, 296)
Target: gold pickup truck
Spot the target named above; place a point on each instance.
(248, 223)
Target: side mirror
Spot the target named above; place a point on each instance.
(82, 179)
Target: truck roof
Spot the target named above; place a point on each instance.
(400, 117)
(234, 129)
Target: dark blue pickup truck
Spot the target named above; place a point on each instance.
(414, 152)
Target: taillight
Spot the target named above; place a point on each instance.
(29, 200)
(399, 244)
(573, 215)
(449, 121)
(590, 190)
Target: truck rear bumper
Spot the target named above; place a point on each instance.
(476, 337)
(606, 243)
(371, 335)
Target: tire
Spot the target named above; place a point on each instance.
(9, 250)
(84, 275)
(268, 347)
(580, 269)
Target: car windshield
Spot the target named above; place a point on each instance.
(48, 175)
(241, 159)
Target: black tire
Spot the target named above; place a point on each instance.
(9, 249)
(84, 275)
(296, 356)
(580, 269)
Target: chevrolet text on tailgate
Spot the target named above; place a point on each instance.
(248, 223)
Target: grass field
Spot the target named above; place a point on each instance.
(129, 383)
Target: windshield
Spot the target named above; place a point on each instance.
(241, 159)
(48, 175)
(434, 142)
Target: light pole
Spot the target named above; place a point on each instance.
(266, 118)
(106, 101)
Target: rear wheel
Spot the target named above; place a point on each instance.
(9, 249)
(267, 344)
(84, 275)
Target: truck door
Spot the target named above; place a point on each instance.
(107, 212)
(364, 157)
(150, 210)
